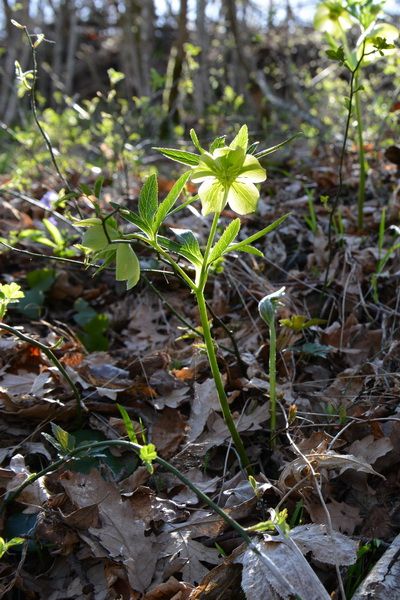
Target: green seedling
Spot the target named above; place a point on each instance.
(267, 308)
(311, 218)
(6, 546)
(227, 175)
(9, 293)
(338, 19)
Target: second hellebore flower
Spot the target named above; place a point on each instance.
(227, 176)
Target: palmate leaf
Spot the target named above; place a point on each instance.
(226, 238)
(181, 156)
(148, 200)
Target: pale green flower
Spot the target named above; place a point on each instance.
(227, 176)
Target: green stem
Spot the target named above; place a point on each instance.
(361, 156)
(272, 380)
(223, 399)
(201, 280)
(173, 264)
(52, 357)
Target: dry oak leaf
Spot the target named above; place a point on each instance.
(120, 534)
(299, 468)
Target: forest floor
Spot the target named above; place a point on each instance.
(103, 527)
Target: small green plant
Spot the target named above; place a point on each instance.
(311, 218)
(9, 293)
(367, 555)
(5, 546)
(338, 19)
(267, 309)
(227, 174)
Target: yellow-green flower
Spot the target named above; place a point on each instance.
(227, 176)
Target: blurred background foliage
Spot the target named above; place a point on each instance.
(115, 77)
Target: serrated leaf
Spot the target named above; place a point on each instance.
(189, 246)
(166, 205)
(226, 238)
(181, 156)
(134, 218)
(148, 200)
(259, 234)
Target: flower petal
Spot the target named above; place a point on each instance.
(252, 170)
(212, 195)
(242, 197)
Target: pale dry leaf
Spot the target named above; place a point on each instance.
(34, 495)
(189, 555)
(120, 534)
(205, 402)
(323, 546)
(218, 432)
(274, 570)
(371, 449)
(298, 469)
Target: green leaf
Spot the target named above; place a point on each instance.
(128, 424)
(195, 140)
(98, 185)
(5, 546)
(132, 217)
(219, 142)
(189, 246)
(148, 454)
(169, 201)
(127, 265)
(148, 200)
(267, 151)
(251, 250)
(181, 156)
(65, 440)
(54, 232)
(259, 234)
(226, 238)
(241, 140)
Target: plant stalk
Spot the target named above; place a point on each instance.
(361, 157)
(223, 399)
(272, 380)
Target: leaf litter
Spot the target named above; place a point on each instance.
(105, 524)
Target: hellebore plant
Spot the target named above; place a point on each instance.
(337, 19)
(227, 175)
